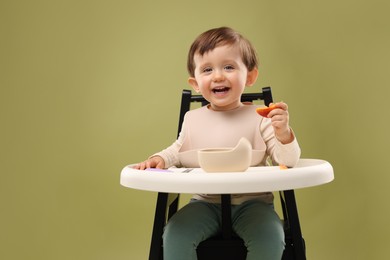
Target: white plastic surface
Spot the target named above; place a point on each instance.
(308, 173)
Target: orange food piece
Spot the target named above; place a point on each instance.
(263, 111)
(283, 167)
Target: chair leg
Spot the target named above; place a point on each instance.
(226, 216)
(173, 201)
(293, 219)
(155, 252)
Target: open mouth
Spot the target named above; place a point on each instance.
(220, 90)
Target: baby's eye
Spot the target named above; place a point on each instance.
(229, 67)
(208, 69)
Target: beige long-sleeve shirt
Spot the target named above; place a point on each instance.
(206, 128)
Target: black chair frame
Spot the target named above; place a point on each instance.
(234, 248)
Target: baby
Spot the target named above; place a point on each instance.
(221, 63)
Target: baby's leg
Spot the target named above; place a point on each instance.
(191, 225)
(261, 229)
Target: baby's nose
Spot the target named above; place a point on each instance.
(218, 76)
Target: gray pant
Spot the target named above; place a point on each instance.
(254, 221)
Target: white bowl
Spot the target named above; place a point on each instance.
(237, 159)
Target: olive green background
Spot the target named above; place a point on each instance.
(88, 87)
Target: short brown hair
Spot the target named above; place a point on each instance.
(217, 37)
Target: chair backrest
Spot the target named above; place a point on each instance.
(187, 98)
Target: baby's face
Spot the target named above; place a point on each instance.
(221, 76)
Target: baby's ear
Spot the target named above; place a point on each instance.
(194, 84)
(251, 77)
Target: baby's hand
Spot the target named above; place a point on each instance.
(153, 162)
(280, 122)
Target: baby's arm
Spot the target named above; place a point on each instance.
(280, 122)
(280, 139)
(167, 157)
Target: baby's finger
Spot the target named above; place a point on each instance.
(143, 165)
(282, 105)
(149, 164)
(160, 165)
(138, 166)
(277, 112)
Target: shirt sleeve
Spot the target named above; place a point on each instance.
(170, 155)
(287, 154)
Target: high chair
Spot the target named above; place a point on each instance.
(227, 246)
